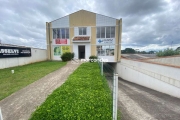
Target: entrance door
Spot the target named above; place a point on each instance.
(81, 51)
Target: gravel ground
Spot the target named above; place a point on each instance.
(140, 103)
(22, 103)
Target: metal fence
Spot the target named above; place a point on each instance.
(112, 78)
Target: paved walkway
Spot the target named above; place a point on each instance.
(140, 103)
(22, 103)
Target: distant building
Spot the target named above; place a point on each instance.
(84, 33)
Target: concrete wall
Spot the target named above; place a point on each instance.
(175, 60)
(36, 56)
(158, 77)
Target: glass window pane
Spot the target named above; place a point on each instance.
(98, 32)
(103, 51)
(80, 31)
(102, 32)
(108, 29)
(67, 33)
(63, 33)
(54, 33)
(98, 49)
(58, 33)
(112, 50)
(84, 30)
(112, 32)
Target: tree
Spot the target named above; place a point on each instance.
(129, 50)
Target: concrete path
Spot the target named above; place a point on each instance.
(22, 103)
(140, 103)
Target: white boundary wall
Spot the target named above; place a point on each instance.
(158, 77)
(36, 56)
(167, 60)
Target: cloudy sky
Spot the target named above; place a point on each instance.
(147, 24)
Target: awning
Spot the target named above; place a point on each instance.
(81, 38)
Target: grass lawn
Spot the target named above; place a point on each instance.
(24, 75)
(84, 96)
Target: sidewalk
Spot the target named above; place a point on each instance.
(140, 103)
(22, 103)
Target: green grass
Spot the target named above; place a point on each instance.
(84, 96)
(118, 114)
(24, 75)
(167, 52)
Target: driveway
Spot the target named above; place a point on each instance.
(139, 103)
(22, 103)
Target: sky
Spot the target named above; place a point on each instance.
(146, 24)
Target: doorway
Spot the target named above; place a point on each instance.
(81, 51)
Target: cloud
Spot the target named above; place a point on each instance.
(147, 24)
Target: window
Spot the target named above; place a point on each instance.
(82, 31)
(105, 32)
(98, 32)
(105, 50)
(102, 32)
(112, 32)
(108, 32)
(58, 33)
(54, 33)
(61, 33)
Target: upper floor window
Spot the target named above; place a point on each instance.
(82, 31)
(105, 32)
(61, 33)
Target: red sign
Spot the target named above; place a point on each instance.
(61, 41)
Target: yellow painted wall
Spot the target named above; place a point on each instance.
(71, 35)
(93, 40)
(120, 38)
(82, 18)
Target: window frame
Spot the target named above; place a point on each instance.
(99, 29)
(81, 30)
(58, 32)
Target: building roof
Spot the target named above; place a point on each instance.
(85, 11)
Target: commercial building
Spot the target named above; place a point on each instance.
(84, 33)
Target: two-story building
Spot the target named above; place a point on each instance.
(84, 33)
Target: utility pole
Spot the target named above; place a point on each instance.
(171, 44)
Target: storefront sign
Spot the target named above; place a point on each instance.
(7, 52)
(60, 41)
(59, 50)
(105, 41)
(65, 49)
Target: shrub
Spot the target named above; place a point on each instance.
(72, 55)
(92, 58)
(167, 52)
(67, 56)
